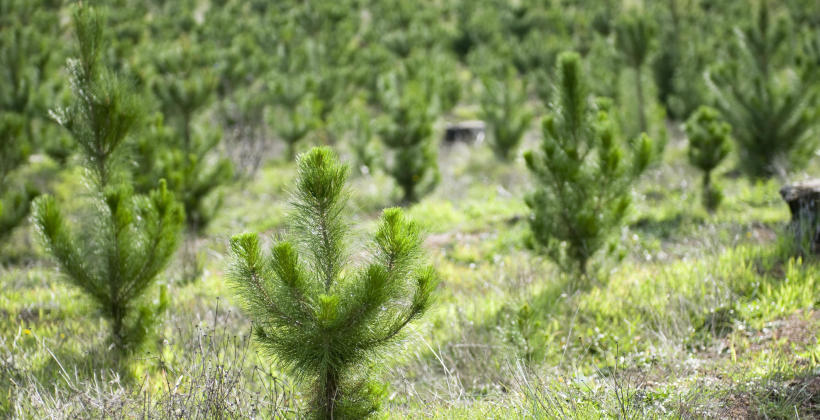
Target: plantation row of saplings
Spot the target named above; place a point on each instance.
(318, 317)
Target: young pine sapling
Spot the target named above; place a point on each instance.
(322, 320)
(503, 108)
(709, 138)
(14, 151)
(634, 35)
(123, 240)
(407, 131)
(583, 176)
(184, 86)
(768, 97)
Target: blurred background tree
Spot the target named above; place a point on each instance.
(709, 144)
(768, 96)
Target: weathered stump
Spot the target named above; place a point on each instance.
(465, 131)
(804, 202)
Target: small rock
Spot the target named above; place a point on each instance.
(804, 202)
(465, 131)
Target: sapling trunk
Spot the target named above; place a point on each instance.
(639, 92)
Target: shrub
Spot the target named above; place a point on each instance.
(407, 132)
(295, 111)
(709, 139)
(678, 66)
(14, 151)
(184, 86)
(583, 178)
(634, 36)
(29, 46)
(125, 240)
(769, 100)
(319, 319)
(503, 107)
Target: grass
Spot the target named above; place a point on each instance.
(707, 315)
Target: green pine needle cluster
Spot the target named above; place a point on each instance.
(709, 144)
(583, 175)
(124, 240)
(319, 318)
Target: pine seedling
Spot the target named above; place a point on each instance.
(295, 112)
(14, 151)
(407, 133)
(182, 152)
(527, 334)
(583, 175)
(709, 139)
(185, 88)
(123, 241)
(318, 318)
(768, 98)
(503, 107)
(634, 35)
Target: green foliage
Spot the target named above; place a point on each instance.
(582, 173)
(407, 131)
(123, 240)
(321, 320)
(684, 49)
(14, 151)
(363, 143)
(116, 262)
(709, 144)
(437, 74)
(104, 110)
(14, 147)
(296, 112)
(527, 333)
(29, 47)
(182, 153)
(503, 107)
(634, 35)
(14, 207)
(768, 96)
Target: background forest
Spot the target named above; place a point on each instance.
(258, 209)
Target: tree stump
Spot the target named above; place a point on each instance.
(804, 202)
(465, 131)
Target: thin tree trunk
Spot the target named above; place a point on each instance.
(331, 391)
(639, 87)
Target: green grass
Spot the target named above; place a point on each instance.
(707, 315)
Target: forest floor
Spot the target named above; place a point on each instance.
(705, 316)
